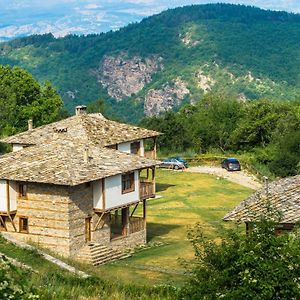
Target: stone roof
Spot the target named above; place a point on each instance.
(282, 195)
(89, 127)
(62, 161)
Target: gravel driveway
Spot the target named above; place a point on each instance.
(240, 177)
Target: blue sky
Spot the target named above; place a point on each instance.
(24, 17)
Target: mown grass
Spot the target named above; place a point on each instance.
(186, 199)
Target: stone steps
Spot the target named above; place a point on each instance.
(96, 254)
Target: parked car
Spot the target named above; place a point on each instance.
(172, 163)
(231, 164)
(180, 159)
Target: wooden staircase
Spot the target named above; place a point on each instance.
(96, 254)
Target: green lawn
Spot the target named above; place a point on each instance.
(186, 198)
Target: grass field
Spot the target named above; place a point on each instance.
(185, 199)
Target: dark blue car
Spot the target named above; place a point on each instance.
(231, 164)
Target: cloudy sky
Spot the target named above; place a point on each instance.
(61, 17)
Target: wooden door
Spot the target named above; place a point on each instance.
(88, 230)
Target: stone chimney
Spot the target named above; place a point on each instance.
(30, 124)
(80, 110)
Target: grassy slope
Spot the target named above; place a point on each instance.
(186, 199)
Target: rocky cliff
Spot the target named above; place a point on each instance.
(168, 97)
(124, 77)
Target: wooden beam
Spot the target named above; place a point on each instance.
(7, 196)
(134, 209)
(153, 180)
(103, 193)
(12, 222)
(3, 223)
(101, 216)
(144, 210)
(154, 148)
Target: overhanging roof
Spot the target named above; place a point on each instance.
(61, 161)
(89, 127)
(281, 196)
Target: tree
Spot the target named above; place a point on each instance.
(259, 265)
(286, 159)
(23, 98)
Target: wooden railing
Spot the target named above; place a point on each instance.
(146, 190)
(150, 154)
(136, 224)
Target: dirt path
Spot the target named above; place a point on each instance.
(240, 177)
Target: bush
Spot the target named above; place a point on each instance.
(13, 283)
(255, 266)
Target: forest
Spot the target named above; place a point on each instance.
(226, 43)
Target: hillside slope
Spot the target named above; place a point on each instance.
(169, 59)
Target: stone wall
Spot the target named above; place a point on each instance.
(46, 207)
(56, 220)
(131, 241)
(81, 207)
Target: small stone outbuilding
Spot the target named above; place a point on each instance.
(281, 198)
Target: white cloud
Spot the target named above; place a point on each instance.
(69, 16)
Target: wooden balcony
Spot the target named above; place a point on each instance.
(146, 190)
(136, 224)
(150, 154)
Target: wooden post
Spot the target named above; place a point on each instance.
(154, 148)
(153, 179)
(7, 196)
(125, 221)
(144, 211)
(103, 193)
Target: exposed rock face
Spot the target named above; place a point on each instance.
(123, 76)
(205, 82)
(169, 96)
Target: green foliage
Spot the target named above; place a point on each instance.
(13, 283)
(23, 98)
(97, 106)
(255, 266)
(226, 43)
(267, 130)
(286, 160)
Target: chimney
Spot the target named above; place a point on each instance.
(30, 124)
(80, 110)
(86, 155)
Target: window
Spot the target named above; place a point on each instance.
(23, 224)
(22, 190)
(127, 183)
(135, 147)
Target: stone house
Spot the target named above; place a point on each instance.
(75, 186)
(281, 198)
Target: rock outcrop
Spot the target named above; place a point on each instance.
(123, 76)
(168, 97)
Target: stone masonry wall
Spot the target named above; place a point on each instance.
(56, 219)
(80, 208)
(46, 209)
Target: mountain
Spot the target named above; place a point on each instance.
(170, 59)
